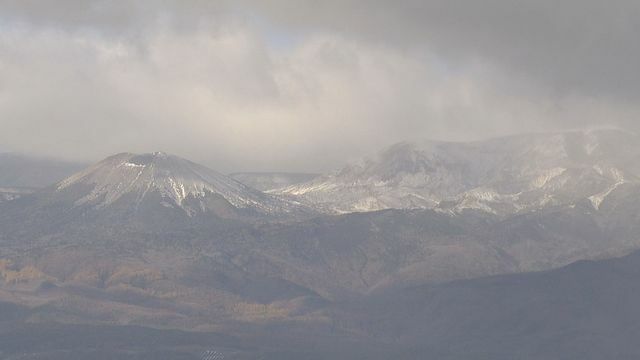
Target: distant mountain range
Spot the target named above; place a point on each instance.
(23, 171)
(401, 249)
(502, 176)
(22, 174)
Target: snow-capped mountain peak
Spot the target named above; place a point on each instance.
(174, 181)
(518, 172)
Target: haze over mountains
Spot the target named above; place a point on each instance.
(154, 240)
(502, 176)
(304, 180)
(265, 181)
(22, 174)
(23, 171)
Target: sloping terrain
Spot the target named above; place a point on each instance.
(266, 181)
(587, 310)
(168, 223)
(175, 182)
(502, 176)
(156, 241)
(150, 192)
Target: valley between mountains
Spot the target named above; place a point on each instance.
(410, 251)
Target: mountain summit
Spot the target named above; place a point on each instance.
(504, 175)
(156, 185)
(174, 180)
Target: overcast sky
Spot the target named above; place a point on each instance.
(307, 85)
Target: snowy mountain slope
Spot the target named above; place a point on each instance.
(502, 176)
(157, 183)
(156, 229)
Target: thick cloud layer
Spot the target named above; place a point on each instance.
(297, 85)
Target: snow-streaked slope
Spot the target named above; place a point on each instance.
(503, 175)
(177, 182)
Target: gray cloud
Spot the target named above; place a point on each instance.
(574, 45)
(300, 85)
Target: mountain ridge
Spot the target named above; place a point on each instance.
(503, 175)
(104, 247)
(154, 192)
(32, 172)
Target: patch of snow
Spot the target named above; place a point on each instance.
(128, 164)
(597, 199)
(368, 204)
(547, 176)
